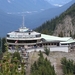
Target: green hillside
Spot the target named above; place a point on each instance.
(49, 26)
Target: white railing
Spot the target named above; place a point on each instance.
(13, 38)
(21, 43)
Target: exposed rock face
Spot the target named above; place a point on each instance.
(67, 27)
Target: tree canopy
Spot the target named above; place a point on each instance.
(42, 67)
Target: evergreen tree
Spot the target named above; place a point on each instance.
(70, 34)
(11, 68)
(60, 34)
(3, 44)
(68, 66)
(47, 51)
(42, 67)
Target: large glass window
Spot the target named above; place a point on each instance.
(22, 41)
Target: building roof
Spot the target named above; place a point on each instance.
(69, 41)
(55, 38)
(23, 33)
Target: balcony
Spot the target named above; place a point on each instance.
(23, 38)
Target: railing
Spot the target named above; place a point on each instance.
(21, 43)
(9, 38)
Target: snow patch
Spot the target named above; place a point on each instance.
(59, 5)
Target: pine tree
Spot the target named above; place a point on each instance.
(42, 67)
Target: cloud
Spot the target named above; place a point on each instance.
(59, 5)
(9, 1)
(61, 2)
(42, 9)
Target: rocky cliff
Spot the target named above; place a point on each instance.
(66, 27)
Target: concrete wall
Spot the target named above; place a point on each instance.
(57, 48)
(36, 49)
(60, 48)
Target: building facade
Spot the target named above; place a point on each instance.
(29, 39)
(24, 38)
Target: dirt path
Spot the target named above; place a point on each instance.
(33, 56)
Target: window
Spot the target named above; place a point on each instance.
(63, 44)
(8, 36)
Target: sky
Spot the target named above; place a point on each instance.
(60, 2)
(53, 2)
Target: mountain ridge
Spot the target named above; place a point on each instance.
(38, 19)
(64, 25)
(10, 22)
(23, 5)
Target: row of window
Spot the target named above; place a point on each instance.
(31, 41)
(20, 41)
(27, 36)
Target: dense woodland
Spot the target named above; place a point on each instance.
(49, 26)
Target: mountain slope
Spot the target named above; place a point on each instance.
(13, 22)
(23, 5)
(39, 18)
(64, 25)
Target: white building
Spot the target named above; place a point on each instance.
(23, 37)
(26, 38)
